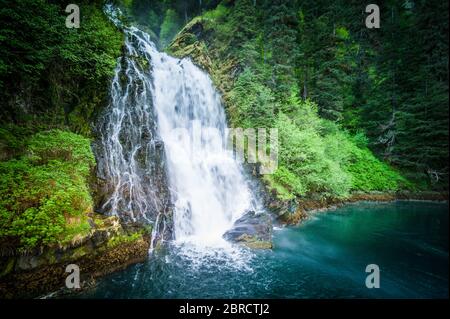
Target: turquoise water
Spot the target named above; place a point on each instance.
(324, 257)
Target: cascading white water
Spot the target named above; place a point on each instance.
(207, 185)
(209, 189)
(130, 143)
(130, 153)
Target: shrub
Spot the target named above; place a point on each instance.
(317, 156)
(169, 27)
(44, 195)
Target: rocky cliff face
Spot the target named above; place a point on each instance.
(131, 167)
(196, 41)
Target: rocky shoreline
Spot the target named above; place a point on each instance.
(295, 211)
(104, 250)
(255, 230)
(114, 247)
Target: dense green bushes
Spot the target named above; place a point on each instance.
(44, 194)
(316, 156)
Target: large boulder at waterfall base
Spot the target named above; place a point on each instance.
(252, 230)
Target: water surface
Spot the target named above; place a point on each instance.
(324, 257)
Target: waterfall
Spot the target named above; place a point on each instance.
(130, 153)
(209, 189)
(165, 128)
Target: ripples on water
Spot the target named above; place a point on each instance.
(323, 258)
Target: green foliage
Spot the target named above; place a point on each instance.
(286, 184)
(27, 38)
(169, 27)
(12, 140)
(305, 153)
(91, 50)
(370, 174)
(34, 37)
(253, 103)
(217, 14)
(44, 195)
(64, 146)
(316, 156)
(51, 74)
(118, 240)
(342, 33)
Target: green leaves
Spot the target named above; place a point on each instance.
(169, 27)
(62, 146)
(317, 156)
(254, 104)
(60, 75)
(91, 51)
(305, 153)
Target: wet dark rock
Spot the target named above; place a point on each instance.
(197, 30)
(252, 230)
(138, 175)
(159, 144)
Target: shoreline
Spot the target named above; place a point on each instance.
(294, 213)
(43, 273)
(36, 283)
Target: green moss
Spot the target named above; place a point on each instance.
(80, 229)
(118, 240)
(99, 221)
(80, 252)
(44, 195)
(7, 267)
